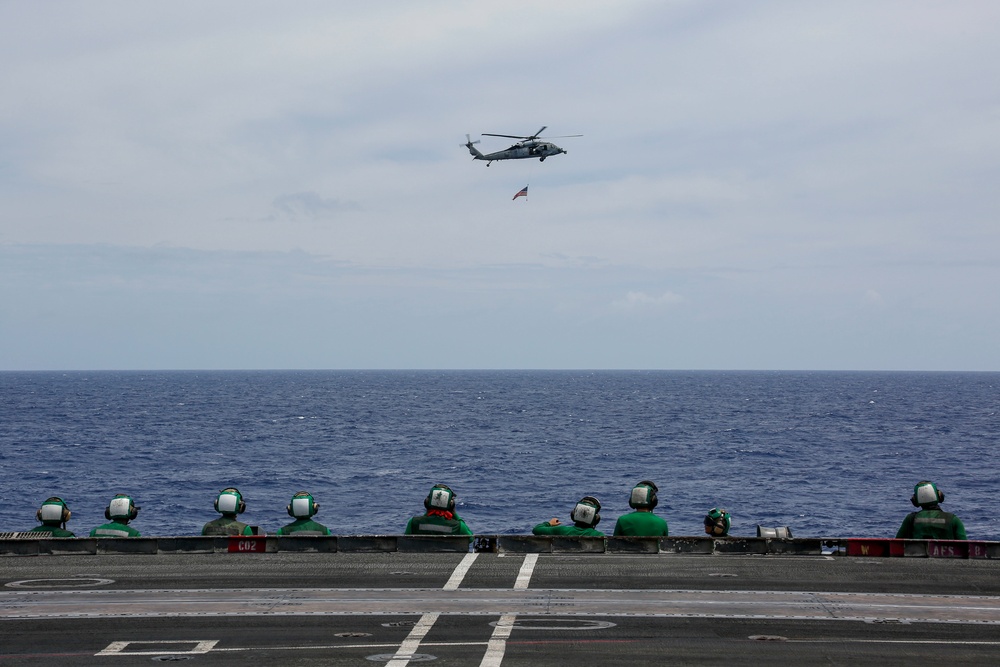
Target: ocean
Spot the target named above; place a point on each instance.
(829, 454)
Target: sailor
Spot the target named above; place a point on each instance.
(642, 522)
(228, 503)
(302, 508)
(53, 514)
(717, 522)
(120, 511)
(440, 518)
(586, 515)
(930, 522)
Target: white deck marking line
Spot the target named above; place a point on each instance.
(200, 647)
(498, 641)
(501, 632)
(426, 622)
(524, 575)
(412, 641)
(456, 577)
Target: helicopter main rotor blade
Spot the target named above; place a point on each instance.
(509, 136)
(535, 135)
(561, 136)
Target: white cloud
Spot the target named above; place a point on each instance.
(310, 205)
(772, 157)
(642, 300)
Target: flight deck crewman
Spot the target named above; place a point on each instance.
(302, 508)
(53, 514)
(642, 522)
(228, 503)
(120, 511)
(586, 515)
(931, 522)
(440, 518)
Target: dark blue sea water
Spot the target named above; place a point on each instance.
(828, 454)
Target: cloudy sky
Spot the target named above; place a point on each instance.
(760, 185)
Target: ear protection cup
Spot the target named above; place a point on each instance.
(54, 509)
(121, 507)
(302, 506)
(587, 511)
(643, 495)
(441, 497)
(228, 506)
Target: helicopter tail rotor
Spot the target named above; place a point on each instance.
(471, 145)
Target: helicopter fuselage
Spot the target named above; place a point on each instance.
(522, 150)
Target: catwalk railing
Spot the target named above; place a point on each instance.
(29, 544)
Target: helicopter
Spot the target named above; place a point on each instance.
(530, 146)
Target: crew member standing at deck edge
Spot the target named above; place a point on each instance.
(642, 522)
(931, 522)
(54, 513)
(441, 518)
(303, 508)
(120, 511)
(228, 503)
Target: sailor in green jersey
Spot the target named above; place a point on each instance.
(120, 511)
(302, 508)
(931, 522)
(642, 522)
(440, 518)
(53, 514)
(586, 515)
(718, 522)
(228, 503)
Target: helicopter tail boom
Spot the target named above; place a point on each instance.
(473, 151)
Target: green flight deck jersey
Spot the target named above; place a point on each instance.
(435, 524)
(115, 529)
(226, 525)
(304, 527)
(932, 523)
(641, 524)
(545, 529)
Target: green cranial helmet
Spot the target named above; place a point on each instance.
(230, 502)
(926, 493)
(587, 512)
(440, 498)
(122, 507)
(717, 522)
(643, 495)
(302, 505)
(53, 511)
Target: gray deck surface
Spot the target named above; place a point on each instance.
(489, 609)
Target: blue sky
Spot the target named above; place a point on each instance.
(760, 185)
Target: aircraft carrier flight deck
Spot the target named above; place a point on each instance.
(513, 600)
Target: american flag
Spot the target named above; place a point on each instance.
(523, 192)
